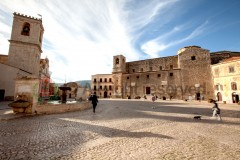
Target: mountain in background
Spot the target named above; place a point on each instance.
(82, 83)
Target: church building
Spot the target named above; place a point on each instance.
(23, 59)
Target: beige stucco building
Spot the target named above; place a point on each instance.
(24, 54)
(188, 74)
(102, 84)
(226, 76)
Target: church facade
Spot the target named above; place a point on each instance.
(188, 74)
(23, 59)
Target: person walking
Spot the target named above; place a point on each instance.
(153, 100)
(216, 110)
(94, 100)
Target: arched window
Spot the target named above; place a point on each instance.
(117, 61)
(26, 29)
(234, 86)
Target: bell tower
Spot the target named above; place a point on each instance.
(119, 68)
(26, 43)
(119, 64)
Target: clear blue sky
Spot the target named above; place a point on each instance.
(81, 36)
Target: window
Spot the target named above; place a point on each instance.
(110, 93)
(105, 87)
(117, 60)
(234, 86)
(40, 37)
(193, 58)
(110, 87)
(159, 75)
(105, 80)
(137, 77)
(127, 77)
(160, 68)
(141, 69)
(110, 79)
(171, 67)
(147, 76)
(170, 74)
(95, 80)
(100, 79)
(221, 87)
(26, 29)
(100, 87)
(95, 88)
(231, 69)
(148, 90)
(133, 70)
(217, 87)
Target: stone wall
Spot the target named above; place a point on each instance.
(161, 83)
(61, 108)
(4, 59)
(196, 73)
(8, 79)
(25, 50)
(28, 88)
(155, 64)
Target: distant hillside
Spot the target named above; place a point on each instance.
(82, 83)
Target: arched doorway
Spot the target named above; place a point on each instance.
(105, 94)
(219, 96)
(235, 97)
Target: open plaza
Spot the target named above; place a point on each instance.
(124, 129)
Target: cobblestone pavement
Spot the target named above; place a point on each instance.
(125, 129)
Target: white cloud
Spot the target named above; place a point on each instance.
(155, 46)
(81, 37)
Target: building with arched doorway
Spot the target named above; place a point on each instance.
(226, 77)
(187, 75)
(102, 85)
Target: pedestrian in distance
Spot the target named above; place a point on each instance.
(94, 100)
(153, 100)
(216, 110)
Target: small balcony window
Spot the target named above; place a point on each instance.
(193, 58)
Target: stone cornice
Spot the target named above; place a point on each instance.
(27, 43)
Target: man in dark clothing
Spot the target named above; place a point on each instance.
(94, 100)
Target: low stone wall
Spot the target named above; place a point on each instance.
(61, 108)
